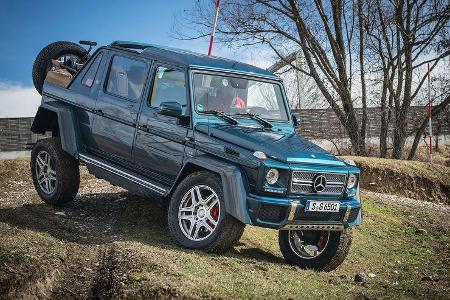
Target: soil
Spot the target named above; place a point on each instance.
(108, 243)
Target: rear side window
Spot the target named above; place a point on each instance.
(127, 78)
(169, 86)
(89, 77)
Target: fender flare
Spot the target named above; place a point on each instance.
(68, 131)
(234, 190)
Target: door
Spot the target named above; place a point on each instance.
(117, 108)
(159, 146)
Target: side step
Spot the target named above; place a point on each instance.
(110, 167)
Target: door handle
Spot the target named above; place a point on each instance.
(99, 112)
(144, 127)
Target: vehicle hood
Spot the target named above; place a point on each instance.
(288, 147)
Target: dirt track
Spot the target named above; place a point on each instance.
(108, 243)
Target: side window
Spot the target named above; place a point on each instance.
(126, 77)
(89, 77)
(169, 86)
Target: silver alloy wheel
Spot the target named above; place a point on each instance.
(199, 213)
(45, 172)
(304, 247)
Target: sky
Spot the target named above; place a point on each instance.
(28, 26)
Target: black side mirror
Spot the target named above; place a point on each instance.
(172, 109)
(296, 120)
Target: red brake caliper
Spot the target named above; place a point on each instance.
(322, 241)
(214, 214)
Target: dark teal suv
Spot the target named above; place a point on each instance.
(212, 138)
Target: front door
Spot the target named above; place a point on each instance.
(159, 146)
(117, 108)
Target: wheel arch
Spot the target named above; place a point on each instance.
(233, 184)
(61, 121)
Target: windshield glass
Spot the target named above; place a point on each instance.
(233, 96)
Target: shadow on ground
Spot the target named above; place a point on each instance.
(100, 218)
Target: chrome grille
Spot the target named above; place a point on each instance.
(302, 182)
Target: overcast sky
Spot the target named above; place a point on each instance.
(28, 26)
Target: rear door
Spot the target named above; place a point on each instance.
(117, 108)
(159, 146)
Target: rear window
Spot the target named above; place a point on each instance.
(127, 78)
(89, 77)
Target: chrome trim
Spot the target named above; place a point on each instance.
(123, 174)
(347, 213)
(325, 227)
(292, 211)
(309, 183)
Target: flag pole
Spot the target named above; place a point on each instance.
(211, 39)
(430, 127)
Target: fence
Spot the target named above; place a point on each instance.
(314, 124)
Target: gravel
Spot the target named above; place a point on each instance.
(407, 202)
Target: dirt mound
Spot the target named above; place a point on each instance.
(418, 180)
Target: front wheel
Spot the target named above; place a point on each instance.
(197, 217)
(318, 250)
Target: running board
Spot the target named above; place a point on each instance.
(88, 159)
(324, 227)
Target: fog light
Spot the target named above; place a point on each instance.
(272, 176)
(352, 180)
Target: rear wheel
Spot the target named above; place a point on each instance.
(197, 217)
(70, 53)
(319, 250)
(56, 174)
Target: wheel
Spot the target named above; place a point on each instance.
(197, 217)
(56, 175)
(61, 51)
(318, 250)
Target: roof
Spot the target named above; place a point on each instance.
(191, 59)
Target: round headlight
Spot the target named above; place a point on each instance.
(272, 176)
(352, 179)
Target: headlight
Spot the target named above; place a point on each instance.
(352, 180)
(272, 176)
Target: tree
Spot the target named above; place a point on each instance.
(325, 33)
(406, 35)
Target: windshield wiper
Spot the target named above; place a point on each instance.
(263, 122)
(222, 115)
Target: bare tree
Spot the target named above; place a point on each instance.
(406, 35)
(325, 33)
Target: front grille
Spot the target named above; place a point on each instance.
(272, 213)
(302, 182)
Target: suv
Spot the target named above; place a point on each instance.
(212, 138)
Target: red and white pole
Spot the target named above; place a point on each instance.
(211, 39)
(429, 115)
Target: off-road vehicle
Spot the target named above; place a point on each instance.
(212, 138)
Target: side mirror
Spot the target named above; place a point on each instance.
(296, 120)
(172, 109)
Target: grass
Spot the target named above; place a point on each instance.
(437, 172)
(12, 257)
(387, 245)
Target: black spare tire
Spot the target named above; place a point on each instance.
(56, 50)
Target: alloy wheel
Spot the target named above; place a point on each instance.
(199, 212)
(45, 172)
(308, 244)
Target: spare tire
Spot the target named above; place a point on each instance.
(56, 50)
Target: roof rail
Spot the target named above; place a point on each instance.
(130, 45)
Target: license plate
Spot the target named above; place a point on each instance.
(326, 206)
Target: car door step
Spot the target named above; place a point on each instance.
(110, 167)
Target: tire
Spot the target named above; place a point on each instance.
(331, 256)
(63, 175)
(225, 233)
(43, 62)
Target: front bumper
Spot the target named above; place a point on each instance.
(289, 213)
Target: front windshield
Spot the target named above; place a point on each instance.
(238, 95)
